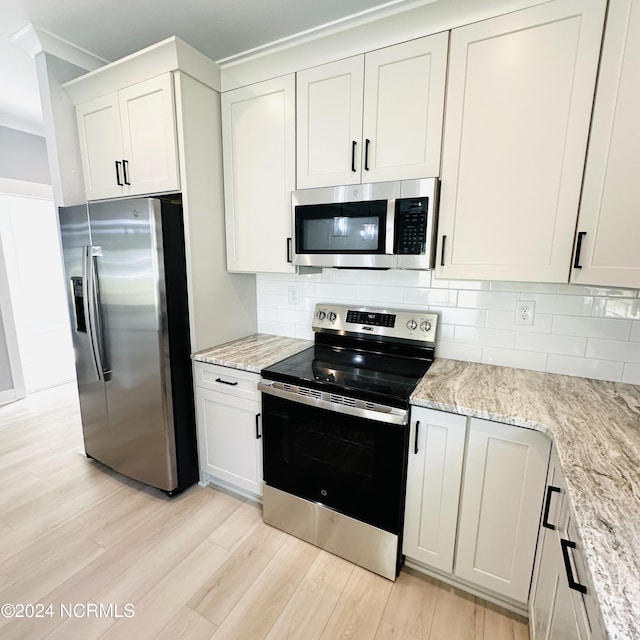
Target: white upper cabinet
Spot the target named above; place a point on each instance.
(519, 100)
(374, 117)
(128, 141)
(329, 123)
(609, 223)
(258, 135)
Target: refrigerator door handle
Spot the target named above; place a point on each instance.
(93, 312)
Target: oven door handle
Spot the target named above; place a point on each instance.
(391, 415)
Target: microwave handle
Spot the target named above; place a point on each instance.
(289, 258)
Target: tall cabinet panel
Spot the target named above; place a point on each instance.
(609, 224)
(258, 134)
(519, 102)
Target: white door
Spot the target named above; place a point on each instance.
(329, 123)
(101, 147)
(519, 100)
(258, 135)
(503, 488)
(404, 89)
(11, 378)
(436, 451)
(609, 224)
(150, 156)
(229, 439)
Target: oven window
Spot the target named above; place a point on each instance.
(353, 227)
(351, 464)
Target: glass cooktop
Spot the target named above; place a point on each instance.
(376, 377)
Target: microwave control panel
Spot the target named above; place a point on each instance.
(411, 226)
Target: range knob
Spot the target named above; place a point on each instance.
(425, 325)
(321, 315)
(332, 316)
(412, 325)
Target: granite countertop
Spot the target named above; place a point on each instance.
(596, 429)
(252, 353)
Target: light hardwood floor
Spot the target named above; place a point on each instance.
(202, 565)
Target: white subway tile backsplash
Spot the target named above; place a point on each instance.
(496, 300)
(507, 320)
(591, 327)
(585, 367)
(514, 358)
(579, 290)
(336, 292)
(473, 285)
(584, 331)
(618, 350)
(524, 287)
(379, 295)
(631, 373)
(430, 297)
(617, 308)
(485, 337)
(562, 304)
(465, 317)
(445, 332)
(459, 351)
(549, 343)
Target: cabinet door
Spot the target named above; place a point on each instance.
(329, 123)
(258, 135)
(609, 224)
(229, 439)
(403, 108)
(147, 115)
(504, 483)
(101, 146)
(436, 451)
(519, 100)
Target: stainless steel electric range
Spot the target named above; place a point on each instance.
(335, 431)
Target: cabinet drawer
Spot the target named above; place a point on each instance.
(243, 384)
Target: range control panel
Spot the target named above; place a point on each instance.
(398, 323)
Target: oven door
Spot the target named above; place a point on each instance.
(353, 465)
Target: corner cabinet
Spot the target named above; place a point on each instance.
(519, 99)
(229, 426)
(258, 137)
(128, 141)
(372, 117)
(561, 606)
(474, 501)
(608, 229)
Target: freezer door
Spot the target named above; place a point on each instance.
(127, 242)
(76, 242)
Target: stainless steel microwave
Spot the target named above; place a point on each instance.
(381, 225)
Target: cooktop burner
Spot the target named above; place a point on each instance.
(378, 356)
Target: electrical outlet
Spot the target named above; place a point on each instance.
(293, 295)
(525, 312)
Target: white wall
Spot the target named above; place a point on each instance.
(583, 331)
(23, 156)
(28, 227)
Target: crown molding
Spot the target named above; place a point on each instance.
(35, 40)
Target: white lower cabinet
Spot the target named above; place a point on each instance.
(229, 426)
(472, 512)
(433, 486)
(562, 605)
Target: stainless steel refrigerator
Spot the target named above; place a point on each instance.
(126, 280)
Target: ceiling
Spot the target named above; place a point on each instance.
(218, 28)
